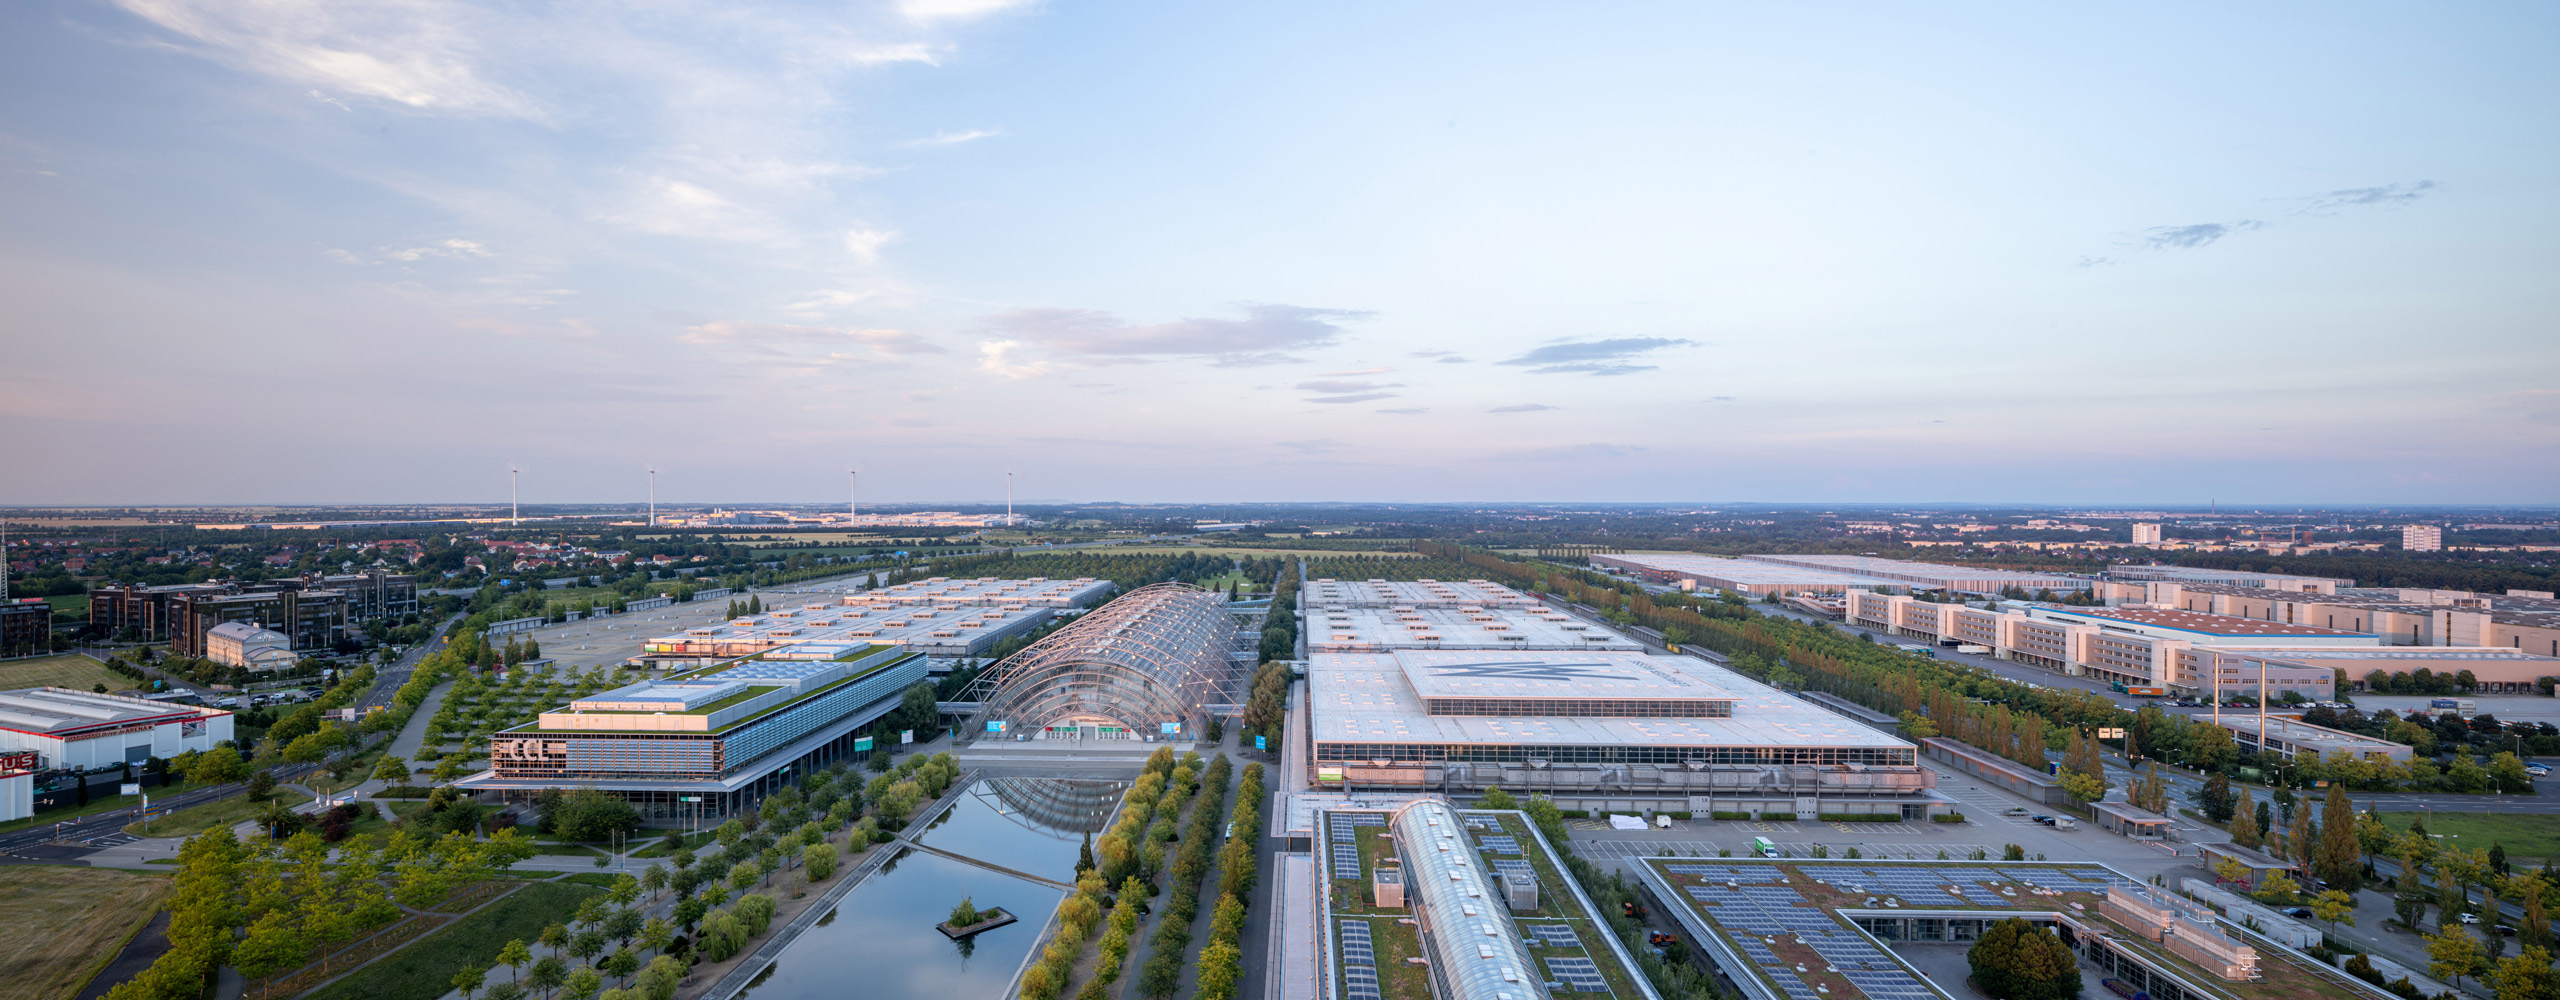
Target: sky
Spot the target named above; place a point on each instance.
(305, 251)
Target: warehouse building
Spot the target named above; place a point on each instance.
(81, 731)
(1033, 592)
(2130, 645)
(826, 631)
(1689, 571)
(1329, 592)
(1376, 630)
(1598, 729)
(704, 743)
(1934, 576)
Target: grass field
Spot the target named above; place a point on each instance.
(70, 922)
(1244, 553)
(70, 670)
(422, 970)
(212, 815)
(2525, 835)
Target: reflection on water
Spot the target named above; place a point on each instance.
(880, 939)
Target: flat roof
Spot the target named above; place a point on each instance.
(1343, 629)
(1037, 591)
(1375, 698)
(1743, 571)
(2300, 733)
(2197, 622)
(1424, 593)
(53, 711)
(1927, 572)
(881, 624)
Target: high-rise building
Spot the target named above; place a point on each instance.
(2422, 538)
(2146, 534)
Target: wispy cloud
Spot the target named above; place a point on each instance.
(1407, 410)
(1523, 408)
(1595, 357)
(995, 357)
(865, 244)
(1571, 452)
(1443, 357)
(954, 138)
(898, 342)
(1314, 446)
(421, 55)
(1264, 336)
(1356, 371)
(1337, 385)
(2202, 234)
(940, 10)
(2384, 196)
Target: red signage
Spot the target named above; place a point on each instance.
(23, 760)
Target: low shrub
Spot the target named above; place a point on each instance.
(1947, 817)
(1770, 817)
(1679, 814)
(1574, 813)
(1723, 814)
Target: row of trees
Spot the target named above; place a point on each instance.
(1131, 853)
(1222, 962)
(1162, 976)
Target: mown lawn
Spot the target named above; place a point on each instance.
(67, 923)
(423, 970)
(2525, 835)
(67, 670)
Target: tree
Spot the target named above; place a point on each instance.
(2210, 747)
(2215, 797)
(262, 784)
(2409, 904)
(515, 956)
(2278, 887)
(2244, 824)
(820, 860)
(547, 975)
(391, 770)
(2016, 960)
(2525, 977)
(2227, 870)
(583, 984)
(274, 944)
(468, 980)
(1496, 798)
(622, 964)
(1220, 965)
(2452, 953)
(2333, 906)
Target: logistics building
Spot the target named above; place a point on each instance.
(1329, 592)
(2126, 580)
(1336, 629)
(2401, 616)
(1689, 571)
(2130, 645)
(1032, 592)
(81, 731)
(826, 631)
(704, 743)
(1934, 576)
(1598, 729)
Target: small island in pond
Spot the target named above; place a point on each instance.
(967, 919)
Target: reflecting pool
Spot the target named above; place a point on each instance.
(880, 941)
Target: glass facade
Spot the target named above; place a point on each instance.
(1154, 656)
(1618, 708)
(1617, 754)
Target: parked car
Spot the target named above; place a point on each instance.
(2506, 931)
(2042, 818)
(2015, 811)
(2537, 770)
(2303, 912)
(2470, 918)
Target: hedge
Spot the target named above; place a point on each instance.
(1948, 817)
(1861, 817)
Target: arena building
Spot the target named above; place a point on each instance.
(1148, 664)
(827, 631)
(1032, 592)
(704, 743)
(1329, 592)
(1337, 629)
(81, 731)
(240, 644)
(1598, 729)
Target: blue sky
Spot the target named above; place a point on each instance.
(295, 251)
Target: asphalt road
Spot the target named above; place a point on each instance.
(103, 824)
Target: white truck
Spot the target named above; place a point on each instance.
(1976, 650)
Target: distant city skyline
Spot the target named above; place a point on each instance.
(300, 252)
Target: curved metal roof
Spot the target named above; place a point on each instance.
(1155, 655)
(1466, 924)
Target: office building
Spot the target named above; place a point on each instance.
(81, 731)
(704, 743)
(2138, 646)
(1033, 592)
(26, 626)
(1330, 592)
(1597, 729)
(2146, 533)
(315, 618)
(2422, 538)
(374, 594)
(2400, 616)
(239, 644)
(1337, 629)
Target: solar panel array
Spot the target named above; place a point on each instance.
(1501, 867)
(1578, 973)
(1558, 935)
(1500, 845)
(1346, 844)
(1359, 962)
(1748, 914)
(2075, 880)
(1919, 886)
(1730, 873)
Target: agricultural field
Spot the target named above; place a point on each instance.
(70, 670)
(70, 922)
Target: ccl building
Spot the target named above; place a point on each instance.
(708, 742)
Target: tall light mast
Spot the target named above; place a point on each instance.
(852, 500)
(653, 496)
(514, 517)
(1008, 498)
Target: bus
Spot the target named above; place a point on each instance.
(1762, 847)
